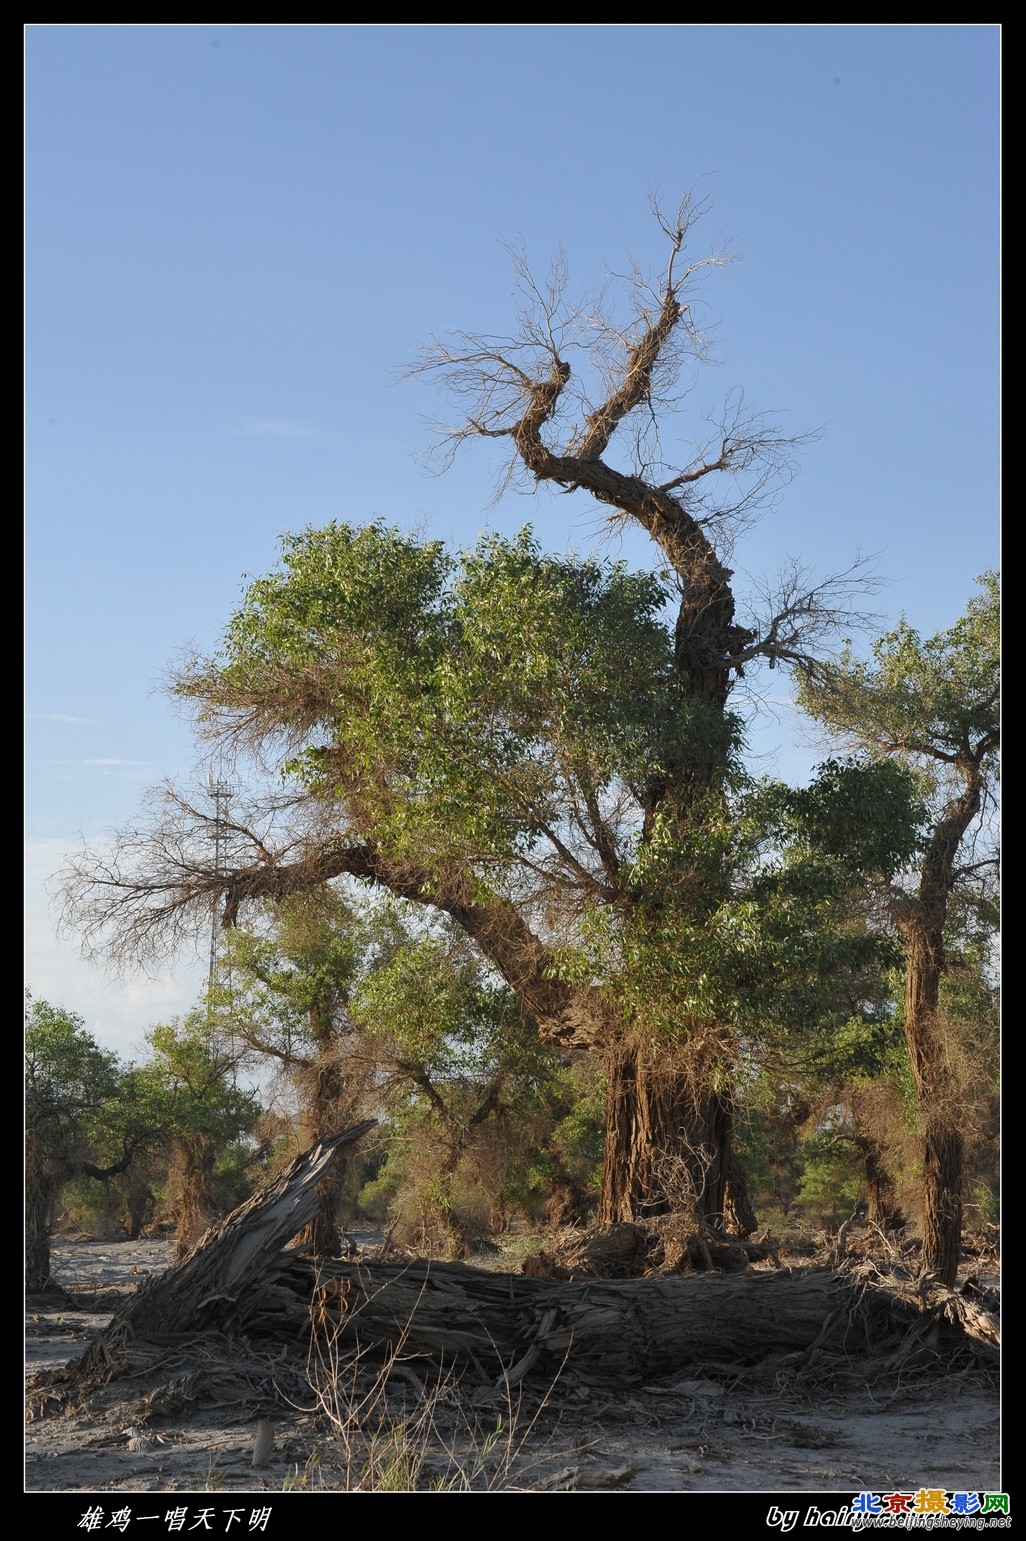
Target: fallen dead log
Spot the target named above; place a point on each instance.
(619, 1332)
(241, 1284)
(608, 1332)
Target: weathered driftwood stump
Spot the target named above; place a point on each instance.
(242, 1284)
(233, 1265)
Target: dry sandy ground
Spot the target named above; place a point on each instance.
(724, 1434)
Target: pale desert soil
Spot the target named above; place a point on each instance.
(725, 1432)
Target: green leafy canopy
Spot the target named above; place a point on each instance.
(453, 705)
(932, 702)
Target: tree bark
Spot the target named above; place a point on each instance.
(192, 1169)
(739, 1215)
(922, 920)
(329, 1108)
(881, 1205)
(943, 1168)
(668, 1141)
(40, 1192)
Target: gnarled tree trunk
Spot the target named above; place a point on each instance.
(668, 1141)
(922, 922)
(192, 1184)
(330, 1105)
(881, 1204)
(40, 1192)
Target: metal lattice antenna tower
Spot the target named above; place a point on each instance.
(220, 794)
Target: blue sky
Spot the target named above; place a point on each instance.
(237, 236)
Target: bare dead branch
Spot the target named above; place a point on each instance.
(155, 889)
(573, 379)
(799, 621)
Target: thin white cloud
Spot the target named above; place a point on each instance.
(112, 761)
(288, 431)
(88, 722)
(106, 763)
(280, 428)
